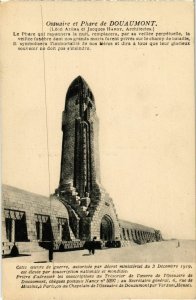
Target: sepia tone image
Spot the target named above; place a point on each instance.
(98, 179)
(98, 152)
(80, 214)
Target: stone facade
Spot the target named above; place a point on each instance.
(28, 217)
(79, 185)
(80, 208)
(18, 204)
(138, 233)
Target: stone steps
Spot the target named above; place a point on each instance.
(29, 247)
(23, 247)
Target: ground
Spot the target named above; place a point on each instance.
(165, 251)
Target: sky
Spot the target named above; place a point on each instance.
(145, 104)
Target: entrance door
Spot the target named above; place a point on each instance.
(65, 232)
(21, 230)
(47, 231)
(107, 229)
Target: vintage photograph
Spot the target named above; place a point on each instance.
(80, 214)
(98, 143)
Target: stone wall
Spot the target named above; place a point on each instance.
(17, 200)
(79, 101)
(105, 207)
(139, 233)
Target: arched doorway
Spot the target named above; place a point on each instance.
(107, 229)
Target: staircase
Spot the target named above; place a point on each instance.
(23, 247)
(29, 247)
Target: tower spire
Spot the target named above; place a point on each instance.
(80, 158)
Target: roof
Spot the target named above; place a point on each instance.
(131, 225)
(78, 86)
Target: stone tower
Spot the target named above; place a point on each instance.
(91, 210)
(80, 155)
